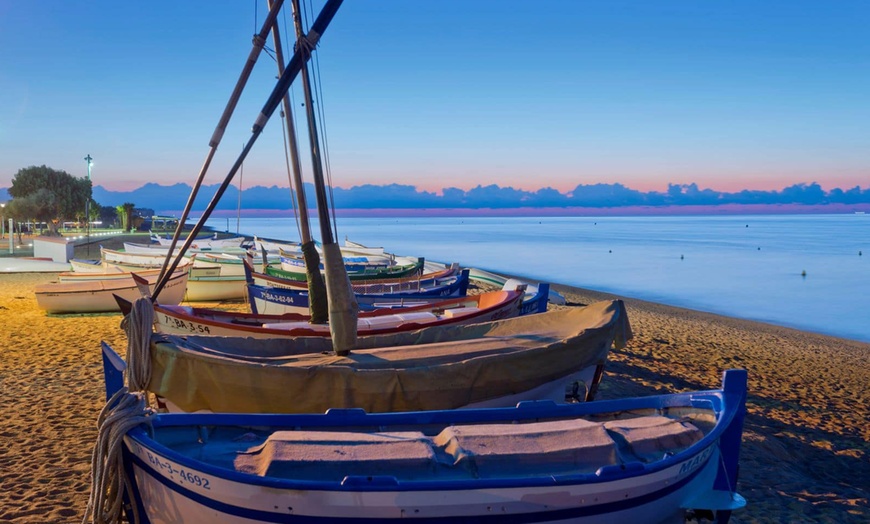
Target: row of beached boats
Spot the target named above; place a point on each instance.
(471, 406)
(215, 275)
(340, 415)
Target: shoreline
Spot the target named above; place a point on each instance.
(805, 446)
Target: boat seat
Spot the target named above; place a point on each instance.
(460, 312)
(647, 439)
(384, 322)
(551, 448)
(396, 320)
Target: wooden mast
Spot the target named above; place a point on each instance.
(317, 300)
(343, 308)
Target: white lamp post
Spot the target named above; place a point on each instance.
(3, 220)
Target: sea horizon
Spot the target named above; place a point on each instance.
(530, 211)
(807, 271)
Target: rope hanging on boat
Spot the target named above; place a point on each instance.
(324, 140)
(138, 324)
(123, 412)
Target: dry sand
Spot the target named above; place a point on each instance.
(805, 455)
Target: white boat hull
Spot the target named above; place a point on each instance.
(172, 492)
(94, 296)
(215, 288)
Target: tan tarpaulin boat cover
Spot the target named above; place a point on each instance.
(433, 368)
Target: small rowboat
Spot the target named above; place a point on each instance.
(184, 320)
(386, 285)
(277, 300)
(648, 459)
(91, 296)
(362, 273)
(494, 363)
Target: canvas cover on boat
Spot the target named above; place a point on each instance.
(470, 451)
(441, 367)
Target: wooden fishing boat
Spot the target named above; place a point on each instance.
(212, 243)
(496, 363)
(185, 320)
(353, 262)
(133, 261)
(111, 273)
(134, 248)
(215, 277)
(94, 266)
(647, 459)
(276, 248)
(97, 295)
(357, 273)
(487, 277)
(278, 300)
(386, 285)
(207, 285)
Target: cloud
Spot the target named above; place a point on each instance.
(492, 197)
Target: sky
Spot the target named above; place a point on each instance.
(729, 95)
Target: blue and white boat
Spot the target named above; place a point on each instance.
(648, 459)
(278, 301)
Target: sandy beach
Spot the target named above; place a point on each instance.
(805, 452)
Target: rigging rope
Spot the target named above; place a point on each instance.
(289, 175)
(317, 88)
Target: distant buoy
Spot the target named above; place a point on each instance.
(681, 257)
(610, 251)
(859, 253)
(804, 273)
(759, 249)
(747, 225)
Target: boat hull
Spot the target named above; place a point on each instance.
(184, 321)
(438, 367)
(170, 492)
(184, 473)
(378, 274)
(278, 301)
(96, 296)
(215, 288)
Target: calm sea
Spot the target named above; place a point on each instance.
(811, 272)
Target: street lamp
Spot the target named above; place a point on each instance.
(2, 220)
(90, 162)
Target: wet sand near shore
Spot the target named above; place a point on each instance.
(804, 458)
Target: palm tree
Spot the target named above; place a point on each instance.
(125, 213)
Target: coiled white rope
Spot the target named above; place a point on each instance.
(127, 409)
(137, 324)
(123, 412)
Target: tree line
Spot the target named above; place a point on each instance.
(44, 195)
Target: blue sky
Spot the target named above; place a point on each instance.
(730, 95)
